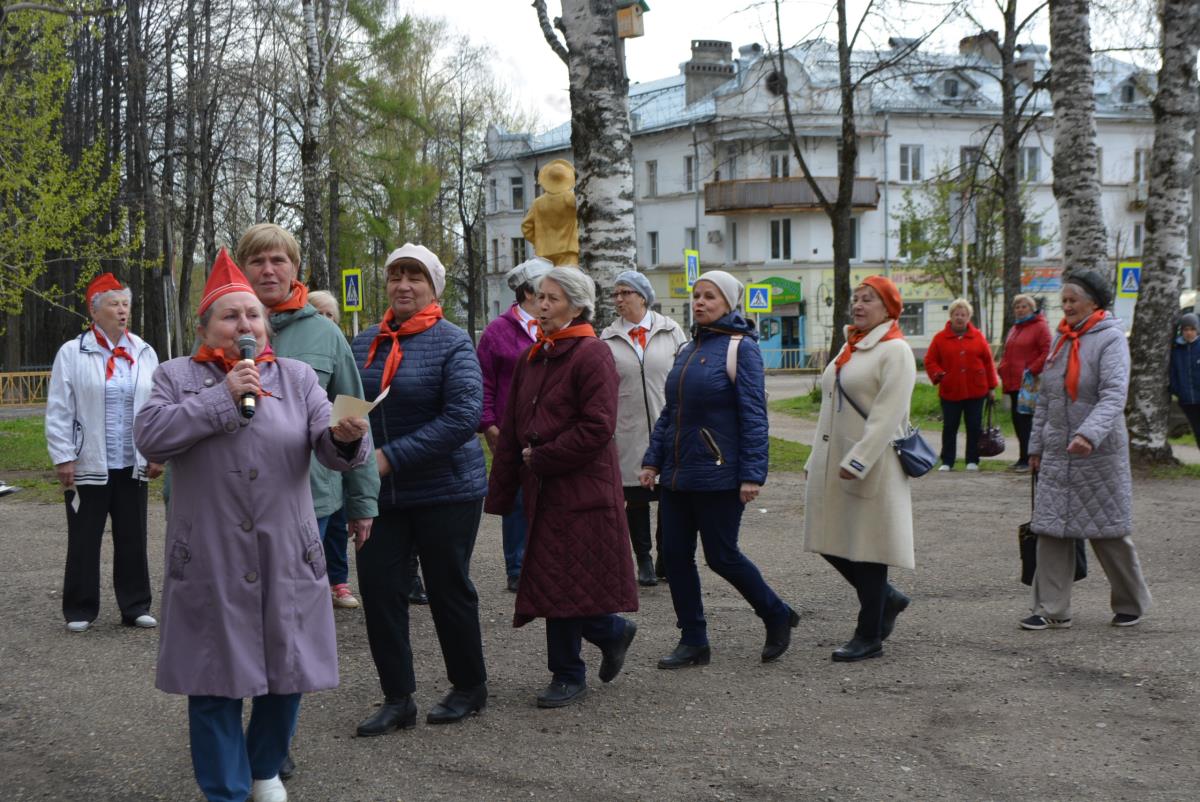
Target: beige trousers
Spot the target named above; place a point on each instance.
(1056, 573)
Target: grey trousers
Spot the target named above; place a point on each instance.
(1056, 573)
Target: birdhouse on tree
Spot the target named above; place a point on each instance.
(629, 18)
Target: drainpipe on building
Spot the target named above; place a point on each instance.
(887, 263)
(695, 206)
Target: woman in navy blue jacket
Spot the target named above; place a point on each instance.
(709, 454)
(432, 484)
(1185, 371)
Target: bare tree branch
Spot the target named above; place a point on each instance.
(551, 37)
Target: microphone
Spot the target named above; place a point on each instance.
(247, 345)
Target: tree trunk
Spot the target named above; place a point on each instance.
(1076, 167)
(310, 151)
(1010, 135)
(1167, 213)
(600, 140)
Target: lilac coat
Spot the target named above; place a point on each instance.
(500, 345)
(245, 603)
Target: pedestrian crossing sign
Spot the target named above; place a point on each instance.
(352, 291)
(691, 260)
(1130, 280)
(758, 298)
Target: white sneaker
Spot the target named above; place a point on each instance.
(6, 488)
(145, 621)
(943, 468)
(78, 626)
(271, 790)
(972, 466)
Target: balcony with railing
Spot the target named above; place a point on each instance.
(782, 194)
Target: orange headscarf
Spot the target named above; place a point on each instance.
(1072, 334)
(889, 293)
(547, 341)
(226, 277)
(104, 282)
(425, 319)
(296, 300)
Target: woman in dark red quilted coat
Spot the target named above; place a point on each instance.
(556, 444)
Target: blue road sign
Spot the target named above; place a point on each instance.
(352, 291)
(1131, 281)
(758, 298)
(692, 260)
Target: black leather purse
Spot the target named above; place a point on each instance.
(1027, 541)
(991, 439)
(917, 457)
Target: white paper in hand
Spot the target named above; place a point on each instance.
(347, 406)
(74, 498)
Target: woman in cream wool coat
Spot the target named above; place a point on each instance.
(858, 508)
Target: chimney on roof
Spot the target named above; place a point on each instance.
(711, 65)
(982, 45)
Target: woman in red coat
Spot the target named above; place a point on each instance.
(1025, 349)
(959, 361)
(556, 445)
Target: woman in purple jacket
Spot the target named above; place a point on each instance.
(245, 600)
(503, 342)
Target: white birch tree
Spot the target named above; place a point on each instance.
(1176, 106)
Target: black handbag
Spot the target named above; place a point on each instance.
(1027, 542)
(991, 439)
(917, 457)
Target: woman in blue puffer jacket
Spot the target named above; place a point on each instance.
(1185, 370)
(709, 455)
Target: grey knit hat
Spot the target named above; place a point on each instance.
(1094, 286)
(1189, 320)
(638, 283)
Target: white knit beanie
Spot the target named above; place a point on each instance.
(729, 286)
(427, 258)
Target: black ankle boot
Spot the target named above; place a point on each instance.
(779, 637)
(458, 705)
(645, 572)
(858, 648)
(399, 713)
(685, 655)
(896, 603)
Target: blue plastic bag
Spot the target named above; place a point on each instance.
(1027, 395)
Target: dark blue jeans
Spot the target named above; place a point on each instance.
(225, 759)
(716, 516)
(564, 641)
(333, 537)
(512, 527)
(952, 412)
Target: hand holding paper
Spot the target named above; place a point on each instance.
(347, 406)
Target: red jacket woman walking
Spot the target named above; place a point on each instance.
(1025, 349)
(959, 361)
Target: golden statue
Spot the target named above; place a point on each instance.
(550, 223)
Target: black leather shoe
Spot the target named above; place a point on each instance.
(561, 694)
(393, 714)
(513, 581)
(897, 603)
(458, 705)
(685, 655)
(416, 594)
(287, 768)
(646, 577)
(660, 570)
(614, 656)
(858, 649)
(779, 637)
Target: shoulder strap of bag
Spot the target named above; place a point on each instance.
(731, 355)
(837, 378)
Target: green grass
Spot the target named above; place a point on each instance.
(787, 456)
(23, 445)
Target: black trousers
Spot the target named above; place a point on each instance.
(1192, 413)
(443, 536)
(870, 582)
(124, 500)
(637, 515)
(952, 411)
(1023, 424)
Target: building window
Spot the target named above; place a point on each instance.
(653, 237)
(733, 254)
(780, 163)
(910, 162)
(781, 239)
(1139, 235)
(1141, 166)
(968, 162)
(950, 87)
(689, 238)
(517, 188)
(912, 319)
(689, 173)
(1032, 247)
(912, 235)
(518, 251)
(495, 309)
(731, 161)
(1029, 165)
(492, 202)
(1128, 93)
(651, 179)
(854, 238)
(495, 256)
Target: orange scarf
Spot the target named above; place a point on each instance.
(296, 300)
(416, 324)
(547, 342)
(119, 351)
(638, 335)
(208, 354)
(857, 336)
(1073, 334)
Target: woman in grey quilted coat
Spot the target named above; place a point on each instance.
(1079, 450)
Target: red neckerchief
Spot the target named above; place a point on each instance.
(296, 300)
(118, 351)
(1073, 334)
(856, 336)
(548, 341)
(638, 335)
(421, 321)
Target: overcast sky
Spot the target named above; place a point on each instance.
(538, 79)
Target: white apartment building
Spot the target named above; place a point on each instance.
(713, 171)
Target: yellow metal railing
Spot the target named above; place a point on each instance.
(28, 387)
